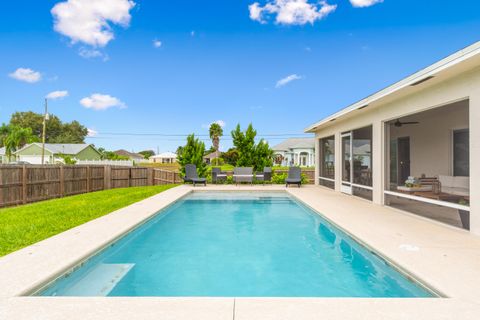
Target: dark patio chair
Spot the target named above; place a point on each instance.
(243, 174)
(191, 175)
(218, 175)
(294, 176)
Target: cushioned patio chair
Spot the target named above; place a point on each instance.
(266, 176)
(294, 176)
(218, 175)
(243, 174)
(191, 175)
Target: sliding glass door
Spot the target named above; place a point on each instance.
(326, 176)
(357, 162)
(347, 163)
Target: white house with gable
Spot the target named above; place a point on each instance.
(295, 152)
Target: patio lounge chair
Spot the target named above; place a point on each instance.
(218, 175)
(243, 174)
(294, 176)
(191, 175)
(266, 176)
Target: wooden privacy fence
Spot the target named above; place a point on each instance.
(31, 183)
(161, 176)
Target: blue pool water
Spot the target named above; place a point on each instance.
(236, 244)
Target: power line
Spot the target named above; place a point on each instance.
(171, 139)
(185, 135)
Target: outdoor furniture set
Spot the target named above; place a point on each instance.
(241, 175)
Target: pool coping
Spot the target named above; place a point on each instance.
(50, 258)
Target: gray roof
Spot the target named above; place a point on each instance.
(164, 155)
(66, 148)
(213, 155)
(131, 155)
(56, 148)
(295, 143)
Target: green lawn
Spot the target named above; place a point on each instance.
(24, 225)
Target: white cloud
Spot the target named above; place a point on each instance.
(26, 75)
(99, 101)
(89, 53)
(291, 12)
(57, 95)
(157, 43)
(221, 123)
(88, 21)
(287, 79)
(256, 12)
(364, 3)
(92, 132)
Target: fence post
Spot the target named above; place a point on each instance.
(107, 177)
(129, 177)
(62, 181)
(150, 176)
(24, 184)
(88, 179)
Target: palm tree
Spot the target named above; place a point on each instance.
(216, 132)
(17, 137)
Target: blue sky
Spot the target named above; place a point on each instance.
(173, 67)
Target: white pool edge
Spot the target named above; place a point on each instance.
(16, 267)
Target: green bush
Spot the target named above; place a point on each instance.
(192, 153)
(217, 162)
(279, 178)
(251, 154)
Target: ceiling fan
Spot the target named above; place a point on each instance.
(398, 123)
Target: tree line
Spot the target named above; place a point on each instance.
(246, 152)
(27, 127)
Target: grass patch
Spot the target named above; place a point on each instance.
(24, 225)
(167, 166)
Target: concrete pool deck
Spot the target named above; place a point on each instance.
(444, 258)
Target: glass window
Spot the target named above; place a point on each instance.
(461, 164)
(362, 156)
(327, 157)
(393, 162)
(346, 140)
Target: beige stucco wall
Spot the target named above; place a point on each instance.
(465, 86)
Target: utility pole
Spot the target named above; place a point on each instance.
(45, 118)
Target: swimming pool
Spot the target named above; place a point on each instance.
(236, 244)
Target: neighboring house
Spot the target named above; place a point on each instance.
(209, 157)
(32, 153)
(414, 145)
(130, 155)
(166, 157)
(295, 152)
(3, 158)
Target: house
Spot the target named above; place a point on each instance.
(130, 155)
(213, 155)
(3, 157)
(32, 153)
(295, 152)
(165, 157)
(413, 146)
